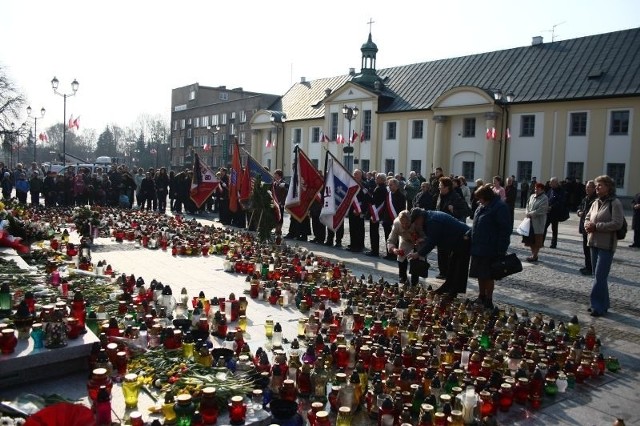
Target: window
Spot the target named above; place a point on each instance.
(205, 121)
(243, 138)
(214, 120)
(391, 130)
(297, 136)
(578, 124)
(575, 170)
(188, 133)
(469, 169)
(175, 124)
(366, 124)
(365, 165)
(243, 116)
(232, 129)
(224, 96)
(334, 126)
(416, 165)
(389, 165)
(189, 121)
(181, 142)
(315, 134)
(223, 118)
(469, 128)
(197, 122)
(174, 142)
(619, 123)
(527, 125)
(182, 160)
(616, 172)
(182, 123)
(233, 116)
(315, 162)
(524, 171)
(417, 129)
(192, 95)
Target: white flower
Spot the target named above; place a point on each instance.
(6, 421)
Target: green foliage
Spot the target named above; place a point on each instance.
(106, 144)
(263, 209)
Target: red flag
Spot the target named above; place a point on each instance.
(268, 144)
(234, 178)
(206, 147)
(203, 182)
(305, 184)
(362, 139)
(354, 137)
(246, 185)
(71, 124)
(323, 137)
(43, 137)
(340, 138)
(76, 123)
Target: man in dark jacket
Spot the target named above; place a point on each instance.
(424, 198)
(356, 215)
(558, 210)
(583, 209)
(162, 188)
(395, 202)
(35, 187)
(450, 236)
(147, 191)
(635, 221)
(451, 203)
(511, 192)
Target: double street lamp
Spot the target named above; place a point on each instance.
(16, 134)
(210, 129)
(74, 87)
(278, 119)
(350, 114)
(35, 128)
(503, 101)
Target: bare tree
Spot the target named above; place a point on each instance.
(11, 102)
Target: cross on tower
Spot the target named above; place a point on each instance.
(370, 23)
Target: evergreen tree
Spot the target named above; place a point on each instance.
(106, 145)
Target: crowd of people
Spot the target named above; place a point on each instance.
(417, 214)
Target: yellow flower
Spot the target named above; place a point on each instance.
(1, 205)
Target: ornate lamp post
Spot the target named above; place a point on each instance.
(278, 119)
(35, 128)
(74, 87)
(503, 102)
(350, 114)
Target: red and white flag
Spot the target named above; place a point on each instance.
(362, 138)
(268, 144)
(323, 137)
(43, 137)
(391, 210)
(305, 184)
(340, 138)
(491, 133)
(206, 147)
(203, 182)
(354, 137)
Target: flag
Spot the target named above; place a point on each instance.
(323, 137)
(268, 143)
(71, 124)
(246, 185)
(203, 182)
(391, 210)
(354, 137)
(491, 133)
(340, 138)
(362, 138)
(508, 134)
(153, 151)
(206, 147)
(234, 178)
(305, 184)
(43, 137)
(340, 190)
(76, 123)
(256, 168)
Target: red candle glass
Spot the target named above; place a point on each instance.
(237, 410)
(8, 341)
(506, 397)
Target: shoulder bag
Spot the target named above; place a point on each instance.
(505, 266)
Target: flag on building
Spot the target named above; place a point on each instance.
(508, 134)
(340, 138)
(203, 182)
(340, 190)
(362, 136)
(491, 133)
(206, 147)
(323, 137)
(268, 143)
(74, 123)
(354, 137)
(235, 178)
(43, 137)
(305, 184)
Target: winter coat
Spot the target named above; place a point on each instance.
(608, 215)
(403, 238)
(537, 207)
(491, 232)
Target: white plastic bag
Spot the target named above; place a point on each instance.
(525, 227)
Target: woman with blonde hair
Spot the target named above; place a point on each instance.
(604, 219)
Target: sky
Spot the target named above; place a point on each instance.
(128, 55)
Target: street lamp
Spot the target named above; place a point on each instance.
(278, 119)
(503, 101)
(35, 128)
(74, 88)
(16, 134)
(213, 138)
(350, 114)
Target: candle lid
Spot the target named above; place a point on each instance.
(131, 377)
(236, 399)
(209, 390)
(344, 410)
(322, 414)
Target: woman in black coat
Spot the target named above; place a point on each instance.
(635, 222)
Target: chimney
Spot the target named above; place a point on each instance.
(303, 79)
(537, 40)
(327, 91)
(352, 71)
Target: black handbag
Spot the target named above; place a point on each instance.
(419, 267)
(505, 266)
